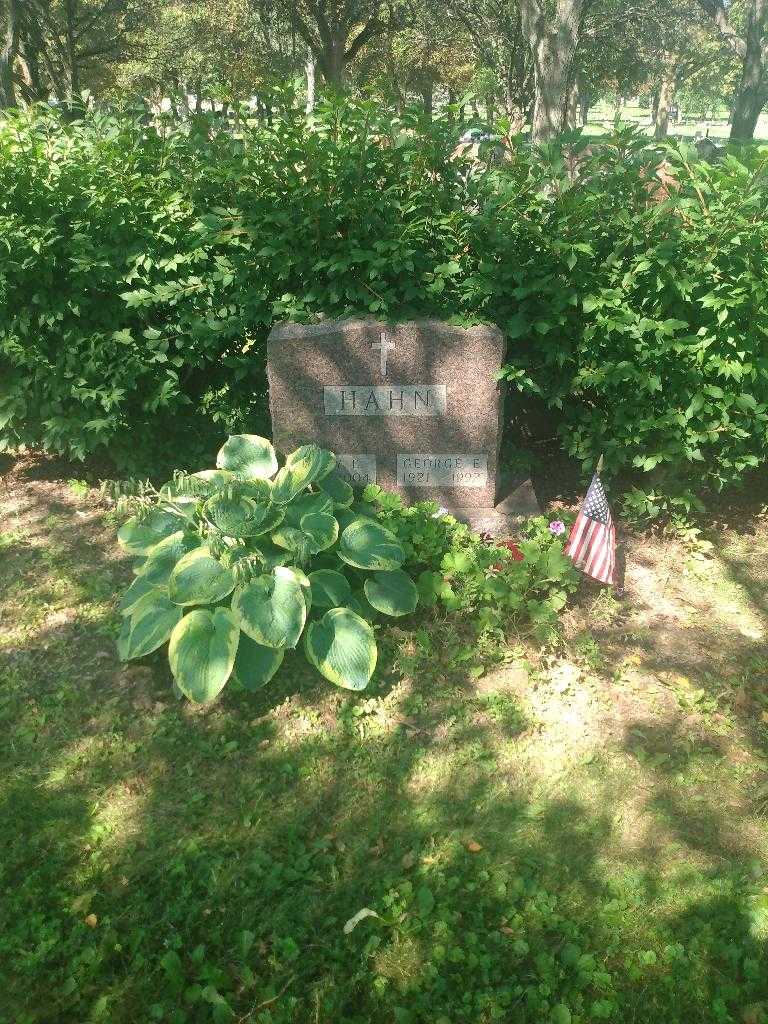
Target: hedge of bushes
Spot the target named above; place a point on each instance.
(141, 270)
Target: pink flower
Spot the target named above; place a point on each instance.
(557, 527)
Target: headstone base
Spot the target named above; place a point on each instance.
(500, 520)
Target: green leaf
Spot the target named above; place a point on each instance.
(249, 456)
(255, 664)
(270, 554)
(322, 530)
(393, 593)
(342, 648)
(241, 517)
(148, 626)
(199, 578)
(271, 610)
(330, 589)
(433, 587)
(138, 537)
(162, 559)
(303, 467)
(138, 589)
(425, 900)
(202, 652)
(218, 479)
(366, 544)
(339, 489)
(317, 532)
(306, 503)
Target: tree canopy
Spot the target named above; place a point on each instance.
(537, 62)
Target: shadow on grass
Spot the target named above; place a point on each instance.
(171, 863)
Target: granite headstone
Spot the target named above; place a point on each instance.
(413, 407)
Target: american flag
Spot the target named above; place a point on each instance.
(592, 540)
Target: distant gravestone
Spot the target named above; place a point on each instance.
(413, 407)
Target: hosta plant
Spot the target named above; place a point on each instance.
(238, 564)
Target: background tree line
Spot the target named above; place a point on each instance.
(541, 62)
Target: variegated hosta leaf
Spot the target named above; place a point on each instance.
(342, 648)
(181, 506)
(366, 544)
(199, 578)
(241, 517)
(292, 539)
(393, 593)
(213, 480)
(301, 577)
(269, 554)
(249, 562)
(303, 580)
(259, 490)
(255, 664)
(149, 625)
(202, 652)
(346, 516)
(249, 456)
(306, 503)
(322, 530)
(139, 536)
(337, 488)
(317, 531)
(138, 589)
(330, 589)
(303, 467)
(163, 557)
(271, 609)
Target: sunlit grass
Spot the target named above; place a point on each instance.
(600, 802)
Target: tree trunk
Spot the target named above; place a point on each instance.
(553, 41)
(332, 63)
(572, 107)
(8, 56)
(667, 91)
(552, 90)
(753, 87)
(752, 49)
(450, 112)
(309, 68)
(427, 96)
(584, 105)
(72, 70)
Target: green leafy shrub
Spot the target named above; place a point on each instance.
(236, 564)
(525, 582)
(636, 311)
(140, 274)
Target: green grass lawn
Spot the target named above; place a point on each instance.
(575, 836)
(602, 115)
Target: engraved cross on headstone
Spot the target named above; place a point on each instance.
(383, 346)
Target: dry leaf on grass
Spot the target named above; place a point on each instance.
(353, 922)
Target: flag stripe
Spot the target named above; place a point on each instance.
(592, 540)
(574, 540)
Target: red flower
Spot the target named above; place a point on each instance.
(510, 545)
